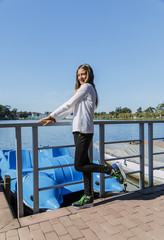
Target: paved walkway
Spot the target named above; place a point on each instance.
(134, 216)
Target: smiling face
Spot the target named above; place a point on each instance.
(82, 75)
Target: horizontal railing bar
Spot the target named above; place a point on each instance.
(158, 153)
(60, 185)
(138, 171)
(124, 157)
(127, 173)
(156, 168)
(157, 138)
(53, 167)
(67, 123)
(138, 140)
(126, 121)
(63, 146)
(8, 125)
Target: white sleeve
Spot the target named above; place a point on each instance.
(66, 108)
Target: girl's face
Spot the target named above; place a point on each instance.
(82, 75)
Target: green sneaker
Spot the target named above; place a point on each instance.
(119, 172)
(84, 202)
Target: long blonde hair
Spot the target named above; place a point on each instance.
(90, 79)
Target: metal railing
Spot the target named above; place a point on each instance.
(102, 142)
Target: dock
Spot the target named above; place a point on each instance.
(134, 215)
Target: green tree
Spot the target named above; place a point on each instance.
(23, 114)
(126, 110)
(150, 110)
(139, 110)
(14, 113)
(118, 110)
(160, 107)
(5, 112)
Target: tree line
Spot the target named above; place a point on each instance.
(7, 114)
(121, 113)
(126, 113)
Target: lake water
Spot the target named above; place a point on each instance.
(62, 135)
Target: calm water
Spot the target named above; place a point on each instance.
(62, 135)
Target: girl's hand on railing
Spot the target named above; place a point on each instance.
(47, 120)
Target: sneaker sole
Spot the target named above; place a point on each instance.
(122, 171)
(84, 206)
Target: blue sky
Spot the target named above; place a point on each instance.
(42, 42)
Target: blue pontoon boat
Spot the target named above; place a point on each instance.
(47, 178)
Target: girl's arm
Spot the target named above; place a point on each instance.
(66, 108)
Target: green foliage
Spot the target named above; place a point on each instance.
(5, 112)
(120, 113)
(126, 113)
(23, 115)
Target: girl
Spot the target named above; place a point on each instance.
(83, 103)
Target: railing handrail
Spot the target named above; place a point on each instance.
(69, 122)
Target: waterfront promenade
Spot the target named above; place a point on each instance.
(135, 215)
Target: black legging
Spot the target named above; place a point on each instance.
(82, 161)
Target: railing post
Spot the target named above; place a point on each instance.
(101, 150)
(150, 153)
(35, 169)
(142, 158)
(20, 209)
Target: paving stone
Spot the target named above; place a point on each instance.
(109, 228)
(118, 236)
(103, 235)
(60, 229)
(6, 217)
(14, 224)
(80, 224)
(141, 234)
(85, 216)
(24, 233)
(2, 236)
(66, 237)
(112, 220)
(89, 234)
(125, 231)
(74, 216)
(71, 209)
(12, 233)
(46, 227)
(54, 221)
(99, 219)
(13, 238)
(38, 235)
(34, 227)
(157, 234)
(74, 232)
(4, 204)
(94, 226)
(41, 217)
(134, 238)
(66, 221)
(51, 236)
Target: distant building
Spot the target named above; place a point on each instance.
(34, 115)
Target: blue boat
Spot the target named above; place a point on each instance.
(51, 177)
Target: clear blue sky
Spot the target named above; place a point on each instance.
(42, 42)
